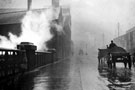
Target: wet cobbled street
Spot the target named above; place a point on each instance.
(78, 73)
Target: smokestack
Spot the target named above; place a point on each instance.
(29, 4)
(55, 3)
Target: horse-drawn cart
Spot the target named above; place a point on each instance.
(114, 55)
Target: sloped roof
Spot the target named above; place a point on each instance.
(8, 10)
(130, 30)
(15, 16)
(11, 17)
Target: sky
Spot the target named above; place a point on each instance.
(93, 21)
(98, 20)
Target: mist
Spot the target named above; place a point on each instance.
(97, 20)
(94, 22)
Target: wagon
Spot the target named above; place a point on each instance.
(115, 55)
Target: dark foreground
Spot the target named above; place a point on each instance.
(78, 73)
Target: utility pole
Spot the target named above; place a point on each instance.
(103, 39)
(86, 48)
(118, 29)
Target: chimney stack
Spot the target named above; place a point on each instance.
(29, 4)
(55, 3)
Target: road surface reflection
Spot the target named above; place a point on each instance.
(53, 77)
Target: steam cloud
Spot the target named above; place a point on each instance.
(35, 28)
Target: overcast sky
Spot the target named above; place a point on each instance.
(95, 19)
(91, 18)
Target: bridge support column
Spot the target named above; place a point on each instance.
(53, 51)
(30, 53)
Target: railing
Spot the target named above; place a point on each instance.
(12, 65)
(17, 61)
(11, 62)
(43, 58)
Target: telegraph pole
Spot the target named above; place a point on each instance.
(103, 36)
(118, 29)
(86, 49)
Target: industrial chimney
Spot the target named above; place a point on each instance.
(55, 3)
(29, 4)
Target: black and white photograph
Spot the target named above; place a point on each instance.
(67, 44)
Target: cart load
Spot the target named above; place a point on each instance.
(115, 54)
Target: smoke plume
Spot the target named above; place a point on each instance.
(36, 27)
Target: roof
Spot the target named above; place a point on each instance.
(8, 10)
(130, 30)
(8, 16)
(11, 17)
(120, 37)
